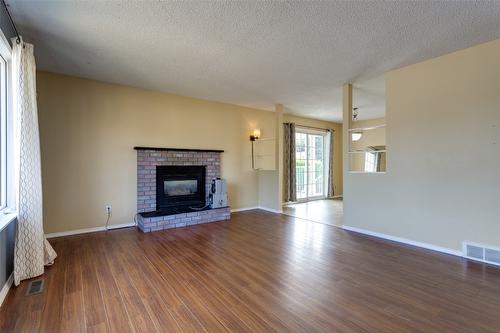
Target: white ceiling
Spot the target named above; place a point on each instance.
(251, 53)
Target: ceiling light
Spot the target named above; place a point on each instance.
(355, 136)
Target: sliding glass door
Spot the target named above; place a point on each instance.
(310, 148)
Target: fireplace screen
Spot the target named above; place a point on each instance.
(180, 187)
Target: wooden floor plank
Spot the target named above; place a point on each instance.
(156, 308)
(258, 272)
(116, 312)
(293, 322)
(219, 306)
(94, 308)
(73, 305)
(134, 304)
(195, 305)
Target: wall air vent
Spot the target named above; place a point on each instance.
(487, 254)
(492, 255)
(474, 252)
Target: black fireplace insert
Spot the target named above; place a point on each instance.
(179, 186)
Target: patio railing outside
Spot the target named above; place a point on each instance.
(316, 185)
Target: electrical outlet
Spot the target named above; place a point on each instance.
(108, 210)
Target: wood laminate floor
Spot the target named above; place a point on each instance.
(328, 211)
(259, 272)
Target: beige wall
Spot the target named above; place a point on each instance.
(88, 130)
(337, 149)
(443, 138)
(268, 197)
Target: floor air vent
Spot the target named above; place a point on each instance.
(35, 287)
(486, 254)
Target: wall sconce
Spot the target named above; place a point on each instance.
(356, 136)
(254, 136)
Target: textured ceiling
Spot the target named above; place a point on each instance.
(251, 53)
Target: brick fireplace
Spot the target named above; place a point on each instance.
(151, 217)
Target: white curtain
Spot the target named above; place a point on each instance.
(32, 250)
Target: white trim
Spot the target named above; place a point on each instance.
(366, 151)
(6, 287)
(243, 209)
(256, 207)
(5, 49)
(310, 130)
(366, 128)
(6, 216)
(270, 210)
(369, 172)
(404, 241)
(87, 230)
(11, 143)
(5, 122)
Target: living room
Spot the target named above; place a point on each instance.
(249, 166)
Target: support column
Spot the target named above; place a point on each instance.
(347, 119)
(346, 125)
(279, 152)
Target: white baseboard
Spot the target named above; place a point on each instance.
(270, 210)
(6, 287)
(404, 241)
(256, 207)
(87, 230)
(243, 209)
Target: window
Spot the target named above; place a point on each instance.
(371, 161)
(3, 133)
(310, 164)
(5, 119)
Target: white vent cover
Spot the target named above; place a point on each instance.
(482, 253)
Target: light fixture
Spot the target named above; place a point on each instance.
(356, 136)
(255, 135)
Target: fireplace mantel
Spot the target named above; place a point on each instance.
(180, 149)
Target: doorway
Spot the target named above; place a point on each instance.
(311, 163)
(312, 166)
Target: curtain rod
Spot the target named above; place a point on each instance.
(316, 128)
(18, 39)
